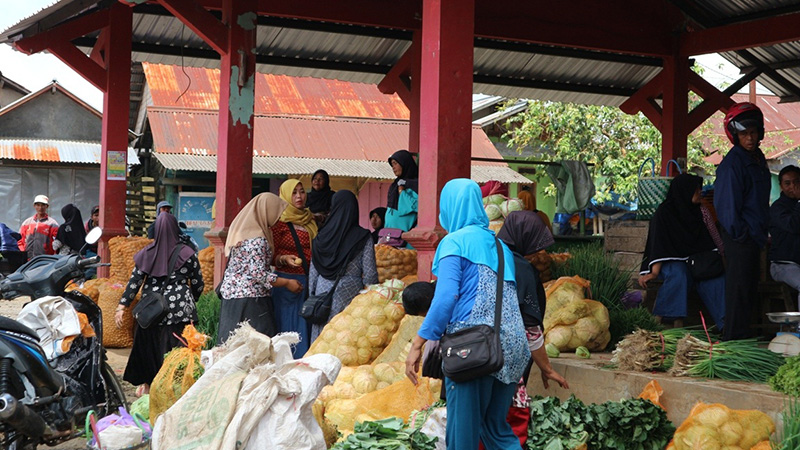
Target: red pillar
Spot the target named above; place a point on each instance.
(445, 114)
(237, 97)
(675, 111)
(114, 143)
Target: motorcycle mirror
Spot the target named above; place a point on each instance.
(93, 235)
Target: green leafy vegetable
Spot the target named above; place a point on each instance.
(787, 379)
(208, 306)
(386, 434)
(633, 424)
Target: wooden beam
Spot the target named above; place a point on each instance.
(79, 62)
(100, 48)
(739, 36)
(199, 20)
(398, 80)
(64, 32)
(574, 24)
(639, 101)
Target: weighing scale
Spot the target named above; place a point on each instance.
(787, 342)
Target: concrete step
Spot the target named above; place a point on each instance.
(592, 383)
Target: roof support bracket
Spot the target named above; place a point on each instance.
(398, 80)
(64, 32)
(198, 19)
(78, 61)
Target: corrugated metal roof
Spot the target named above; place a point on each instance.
(335, 167)
(195, 132)
(51, 150)
(198, 88)
(326, 49)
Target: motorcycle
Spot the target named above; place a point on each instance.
(46, 402)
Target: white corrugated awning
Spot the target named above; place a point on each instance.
(54, 150)
(274, 165)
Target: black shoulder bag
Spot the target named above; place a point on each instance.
(476, 351)
(302, 255)
(317, 308)
(152, 307)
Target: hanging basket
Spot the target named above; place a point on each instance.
(652, 190)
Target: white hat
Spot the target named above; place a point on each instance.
(41, 199)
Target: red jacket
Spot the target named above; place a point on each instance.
(38, 235)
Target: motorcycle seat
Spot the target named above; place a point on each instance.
(13, 325)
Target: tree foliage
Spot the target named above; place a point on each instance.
(615, 142)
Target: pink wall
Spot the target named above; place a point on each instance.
(371, 196)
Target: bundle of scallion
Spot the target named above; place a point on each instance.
(645, 350)
(741, 360)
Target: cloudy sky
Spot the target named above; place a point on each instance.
(36, 71)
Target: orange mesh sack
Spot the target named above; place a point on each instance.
(114, 337)
(181, 368)
(206, 258)
(399, 399)
(715, 425)
(122, 250)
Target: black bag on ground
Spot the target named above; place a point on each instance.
(476, 351)
(706, 265)
(152, 307)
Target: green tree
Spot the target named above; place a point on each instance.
(615, 142)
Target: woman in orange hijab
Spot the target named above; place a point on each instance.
(529, 204)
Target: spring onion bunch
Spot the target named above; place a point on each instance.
(741, 360)
(645, 350)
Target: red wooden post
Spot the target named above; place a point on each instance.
(114, 142)
(445, 114)
(237, 97)
(675, 111)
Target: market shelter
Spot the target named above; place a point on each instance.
(301, 124)
(433, 53)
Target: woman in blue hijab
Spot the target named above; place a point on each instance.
(466, 265)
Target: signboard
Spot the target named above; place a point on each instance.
(194, 209)
(116, 165)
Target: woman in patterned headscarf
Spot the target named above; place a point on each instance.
(248, 278)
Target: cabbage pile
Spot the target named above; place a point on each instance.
(497, 207)
(571, 321)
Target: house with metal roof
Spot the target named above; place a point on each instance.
(301, 124)
(10, 91)
(49, 144)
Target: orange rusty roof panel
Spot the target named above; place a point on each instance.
(195, 132)
(53, 150)
(198, 88)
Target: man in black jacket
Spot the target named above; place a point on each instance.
(784, 227)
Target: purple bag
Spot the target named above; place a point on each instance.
(391, 236)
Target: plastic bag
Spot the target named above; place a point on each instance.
(653, 392)
(120, 436)
(181, 368)
(436, 426)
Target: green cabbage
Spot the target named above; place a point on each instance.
(513, 204)
(493, 211)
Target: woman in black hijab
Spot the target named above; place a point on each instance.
(401, 202)
(678, 231)
(71, 234)
(181, 285)
(377, 217)
(320, 195)
(343, 250)
(525, 234)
